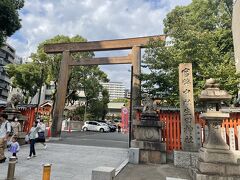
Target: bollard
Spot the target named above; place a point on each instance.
(46, 171)
(11, 168)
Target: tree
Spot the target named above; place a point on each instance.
(200, 34)
(121, 100)
(86, 78)
(27, 77)
(9, 18)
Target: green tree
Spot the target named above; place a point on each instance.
(200, 34)
(123, 100)
(86, 78)
(9, 18)
(27, 77)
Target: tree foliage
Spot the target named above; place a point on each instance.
(9, 17)
(98, 108)
(200, 34)
(27, 77)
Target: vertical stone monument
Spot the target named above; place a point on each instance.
(189, 131)
(148, 136)
(215, 160)
(187, 107)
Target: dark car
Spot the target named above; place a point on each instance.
(112, 127)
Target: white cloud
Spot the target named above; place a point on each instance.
(92, 19)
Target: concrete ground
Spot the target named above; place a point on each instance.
(69, 162)
(153, 172)
(90, 138)
(78, 153)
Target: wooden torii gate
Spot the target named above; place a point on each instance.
(134, 58)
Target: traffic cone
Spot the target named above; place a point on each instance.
(49, 132)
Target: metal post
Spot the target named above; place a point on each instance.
(11, 168)
(46, 171)
(130, 113)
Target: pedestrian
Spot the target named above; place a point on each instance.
(41, 133)
(14, 146)
(5, 129)
(16, 126)
(32, 138)
(119, 128)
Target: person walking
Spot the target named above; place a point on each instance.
(41, 133)
(16, 126)
(5, 129)
(14, 146)
(32, 138)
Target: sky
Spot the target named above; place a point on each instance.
(94, 20)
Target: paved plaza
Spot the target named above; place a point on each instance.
(73, 162)
(153, 172)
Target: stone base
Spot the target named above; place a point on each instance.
(150, 152)
(134, 155)
(103, 173)
(220, 169)
(196, 175)
(185, 159)
(155, 157)
(219, 156)
(156, 146)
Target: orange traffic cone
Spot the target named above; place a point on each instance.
(49, 132)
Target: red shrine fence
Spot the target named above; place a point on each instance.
(171, 133)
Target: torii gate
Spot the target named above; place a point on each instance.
(134, 58)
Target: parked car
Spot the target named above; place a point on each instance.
(117, 122)
(112, 127)
(95, 126)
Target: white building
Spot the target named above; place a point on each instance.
(116, 90)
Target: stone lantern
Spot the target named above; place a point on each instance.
(215, 160)
(147, 133)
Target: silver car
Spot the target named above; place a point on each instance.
(95, 126)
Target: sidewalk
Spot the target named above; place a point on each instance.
(153, 172)
(76, 162)
(69, 162)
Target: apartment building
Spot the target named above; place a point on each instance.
(7, 56)
(115, 89)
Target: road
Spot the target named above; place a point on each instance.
(111, 139)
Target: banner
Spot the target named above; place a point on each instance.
(125, 117)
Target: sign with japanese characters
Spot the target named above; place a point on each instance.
(125, 117)
(187, 107)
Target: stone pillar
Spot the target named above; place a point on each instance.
(236, 33)
(61, 95)
(187, 108)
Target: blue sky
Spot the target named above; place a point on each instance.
(94, 20)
